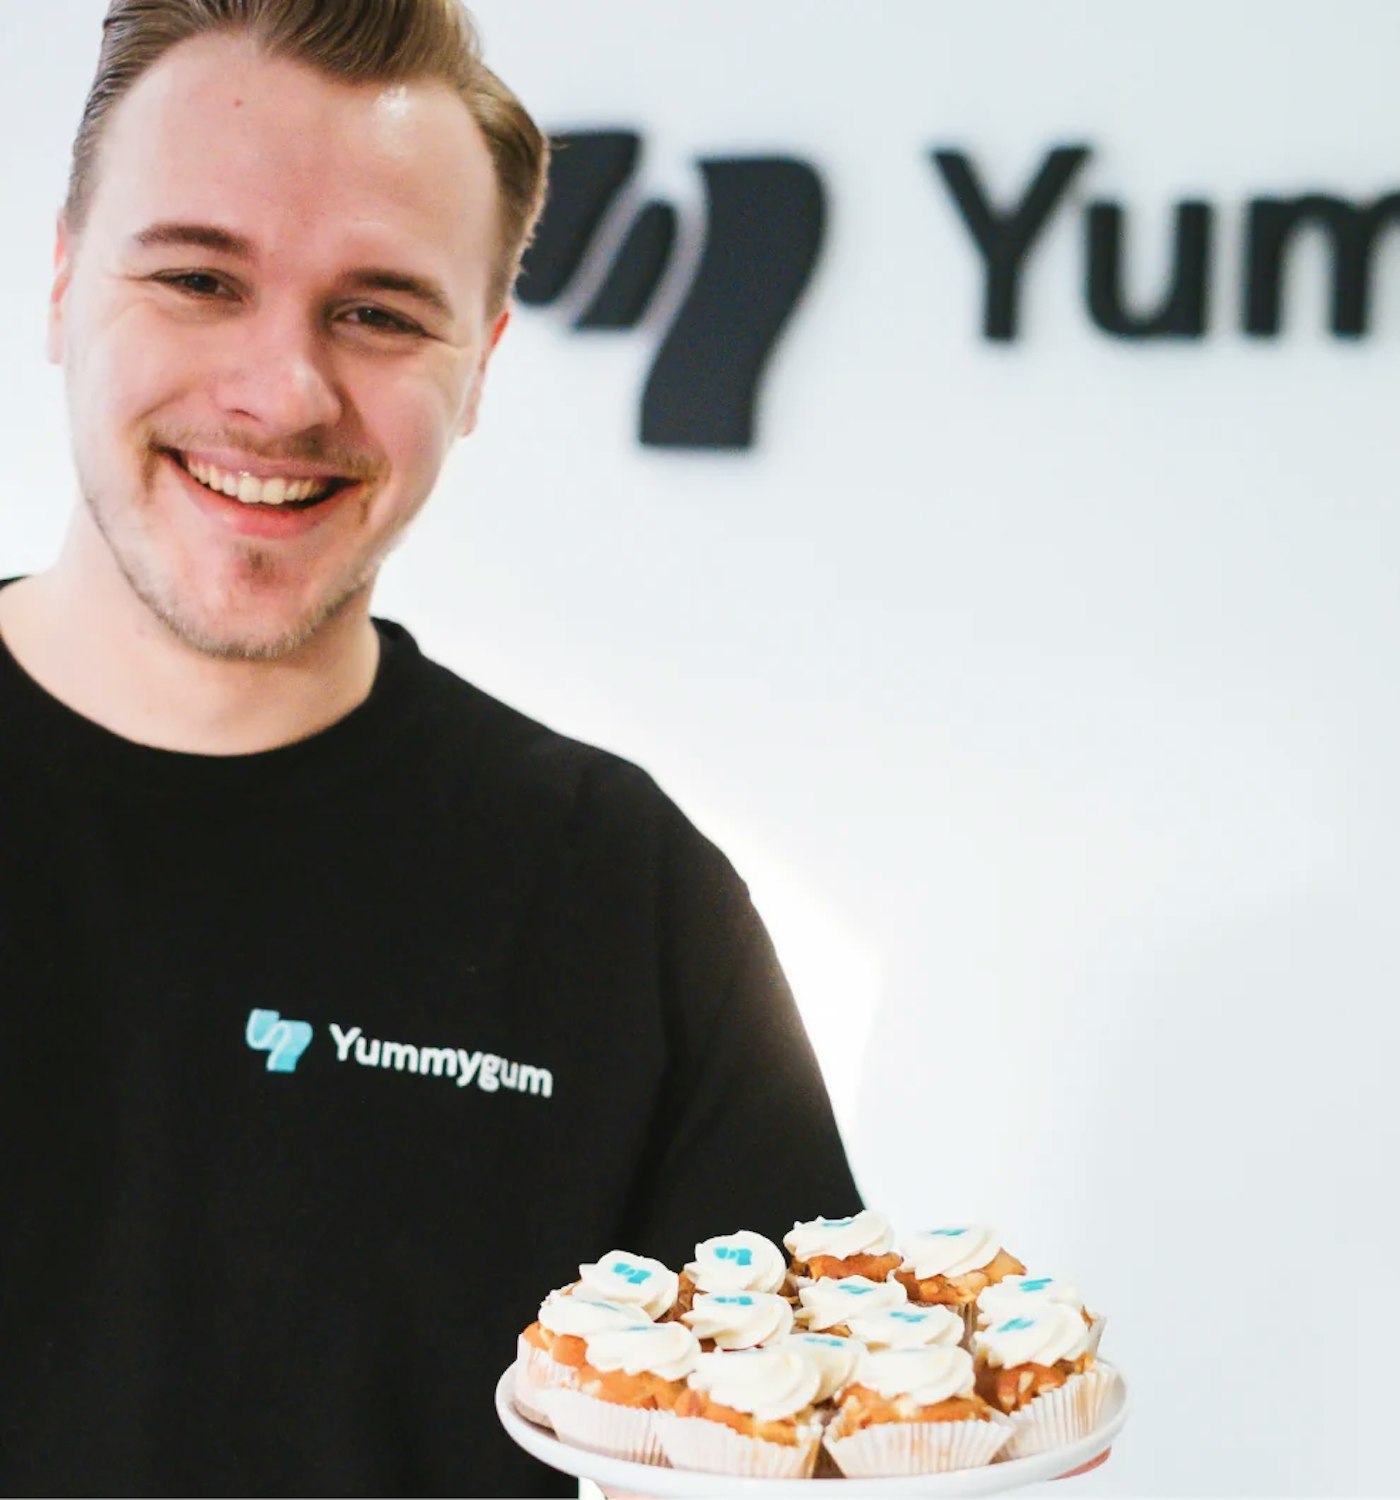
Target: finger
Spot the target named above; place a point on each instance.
(1084, 1468)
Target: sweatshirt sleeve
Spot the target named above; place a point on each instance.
(743, 1135)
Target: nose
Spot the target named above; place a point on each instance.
(278, 375)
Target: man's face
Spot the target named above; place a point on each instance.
(282, 285)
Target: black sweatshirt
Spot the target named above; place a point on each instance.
(319, 1067)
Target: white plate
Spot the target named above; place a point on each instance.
(650, 1479)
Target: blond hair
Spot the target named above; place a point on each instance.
(350, 41)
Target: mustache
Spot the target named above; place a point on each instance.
(305, 448)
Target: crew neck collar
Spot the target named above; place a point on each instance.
(306, 766)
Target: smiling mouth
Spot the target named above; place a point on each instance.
(285, 494)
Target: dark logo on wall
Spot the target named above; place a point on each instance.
(763, 228)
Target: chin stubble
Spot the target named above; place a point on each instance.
(231, 648)
(258, 566)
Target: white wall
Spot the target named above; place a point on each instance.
(1044, 692)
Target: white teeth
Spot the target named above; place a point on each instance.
(252, 491)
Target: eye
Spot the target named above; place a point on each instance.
(202, 284)
(381, 320)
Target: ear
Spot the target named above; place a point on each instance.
(63, 252)
(468, 423)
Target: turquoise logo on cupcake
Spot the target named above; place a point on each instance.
(1036, 1286)
(734, 1301)
(945, 1234)
(633, 1275)
(741, 1255)
(1015, 1325)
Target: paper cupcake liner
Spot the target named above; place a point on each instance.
(1096, 1333)
(1061, 1416)
(628, 1432)
(537, 1371)
(891, 1448)
(713, 1448)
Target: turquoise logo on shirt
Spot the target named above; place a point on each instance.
(283, 1041)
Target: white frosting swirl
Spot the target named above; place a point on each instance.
(565, 1313)
(950, 1252)
(833, 1300)
(633, 1280)
(739, 1320)
(926, 1376)
(865, 1233)
(836, 1359)
(1040, 1335)
(770, 1384)
(908, 1327)
(665, 1349)
(742, 1262)
(1013, 1294)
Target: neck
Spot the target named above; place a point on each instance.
(85, 637)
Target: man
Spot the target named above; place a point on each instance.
(345, 1010)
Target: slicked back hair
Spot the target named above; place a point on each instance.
(349, 41)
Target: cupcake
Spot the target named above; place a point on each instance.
(632, 1280)
(749, 1412)
(954, 1266)
(628, 1378)
(913, 1411)
(908, 1328)
(738, 1320)
(551, 1350)
(862, 1245)
(740, 1262)
(836, 1359)
(1037, 1368)
(1011, 1297)
(828, 1306)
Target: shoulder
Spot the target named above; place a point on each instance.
(527, 769)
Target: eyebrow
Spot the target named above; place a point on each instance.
(201, 236)
(225, 242)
